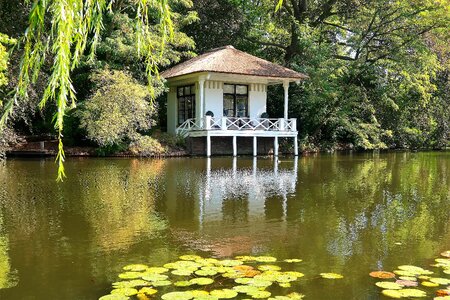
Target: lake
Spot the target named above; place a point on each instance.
(343, 213)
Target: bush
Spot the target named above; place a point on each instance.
(117, 110)
(146, 146)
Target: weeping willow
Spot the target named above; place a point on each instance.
(74, 30)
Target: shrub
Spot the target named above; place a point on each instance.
(146, 146)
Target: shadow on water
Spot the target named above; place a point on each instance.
(348, 214)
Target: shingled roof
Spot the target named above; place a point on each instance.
(229, 60)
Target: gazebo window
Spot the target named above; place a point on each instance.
(186, 103)
(235, 100)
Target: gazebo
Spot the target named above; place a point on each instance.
(222, 94)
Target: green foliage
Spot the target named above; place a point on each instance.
(146, 146)
(5, 41)
(117, 109)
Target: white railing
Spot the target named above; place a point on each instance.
(227, 123)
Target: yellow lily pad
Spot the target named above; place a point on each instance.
(130, 284)
(177, 296)
(293, 260)
(293, 273)
(412, 293)
(130, 275)
(245, 258)
(331, 275)
(269, 268)
(183, 283)
(156, 270)
(230, 262)
(265, 259)
(182, 272)
(260, 294)
(410, 278)
(125, 291)
(199, 293)
(190, 257)
(245, 289)
(154, 277)
(387, 285)
(446, 253)
(441, 281)
(136, 268)
(161, 283)
(224, 293)
(285, 284)
(205, 272)
(114, 297)
(392, 293)
(429, 284)
(424, 277)
(148, 291)
(201, 281)
(296, 296)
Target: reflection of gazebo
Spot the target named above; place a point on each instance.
(232, 86)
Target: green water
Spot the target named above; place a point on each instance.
(349, 214)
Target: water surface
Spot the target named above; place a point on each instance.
(349, 214)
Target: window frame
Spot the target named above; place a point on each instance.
(187, 114)
(235, 95)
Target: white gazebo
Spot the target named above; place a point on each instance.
(223, 93)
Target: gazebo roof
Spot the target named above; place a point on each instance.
(229, 60)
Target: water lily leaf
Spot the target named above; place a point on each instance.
(293, 273)
(245, 258)
(198, 293)
(442, 298)
(424, 277)
(443, 292)
(265, 259)
(207, 261)
(446, 253)
(233, 275)
(415, 270)
(392, 294)
(183, 283)
(224, 293)
(442, 281)
(446, 271)
(177, 296)
(206, 297)
(408, 278)
(405, 273)
(443, 261)
(161, 283)
(260, 294)
(280, 298)
(293, 260)
(154, 277)
(125, 291)
(156, 270)
(142, 296)
(331, 275)
(130, 284)
(148, 291)
(382, 274)
(407, 283)
(205, 272)
(245, 289)
(429, 284)
(388, 285)
(190, 257)
(130, 275)
(269, 268)
(243, 268)
(136, 268)
(259, 282)
(230, 262)
(412, 293)
(182, 272)
(296, 296)
(284, 278)
(114, 297)
(285, 284)
(201, 281)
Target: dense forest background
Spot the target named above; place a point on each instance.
(378, 71)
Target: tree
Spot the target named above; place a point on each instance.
(63, 30)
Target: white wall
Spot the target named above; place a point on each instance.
(214, 97)
(257, 99)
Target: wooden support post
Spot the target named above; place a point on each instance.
(295, 146)
(208, 146)
(234, 146)
(275, 146)
(286, 97)
(255, 146)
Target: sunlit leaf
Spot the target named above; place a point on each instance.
(441, 281)
(157, 270)
(292, 260)
(260, 294)
(382, 274)
(161, 283)
(201, 281)
(429, 284)
(246, 258)
(148, 291)
(114, 297)
(285, 284)
(206, 297)
(392, 293)
(445, 292)
(331, 275)
(198, 293)
(182, 272)
(224, 293)
(388, 285)
(190, 257)
(154, 277)
(130, 275)
(130, 284)
(446, 253)
(177, 296)
(230, 262)
(183, 283)
(408, 278)
(296, 296)
(136, 268)
(125, 291)
(294, 273)
(265, 259)
(259, 282)
(245, 288)
(205, 272)
(412, 293)
(269, 268)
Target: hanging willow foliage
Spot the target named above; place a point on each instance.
(75, 28)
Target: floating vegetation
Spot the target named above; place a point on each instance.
(254, 277)
(331, 275)
(412, 276)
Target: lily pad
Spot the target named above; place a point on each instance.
(245, 258)
(242, 280)
(446, 271)
(177, 296)
(244, 289)
(441, 281)
(130, 275)
(442, 298)
(205, 272)
(183, 283)
(161, 283)
(382, 274)
(136, 268)
(293, 260)
(148, 291)
(156, 270)
(224, 293)
(443, 292)
(392, 294)
(259, 282)
(387, 285)
(424, 277)
(190, 257)
(429, 284)
(114, 297)
(198, 293)
(285, 284)
(407, 283)
(230, 262)
(296, 296)
(260, 294)
(206, 297)
(331, 275)
(201, 281)
(265, 259)
(125, 291)
(154, 277)
(405, 273)
(182, 272)
(130, 284)
(269, 268)
(446, 253)
(412, 293)
(294, 273)
(408, 278)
